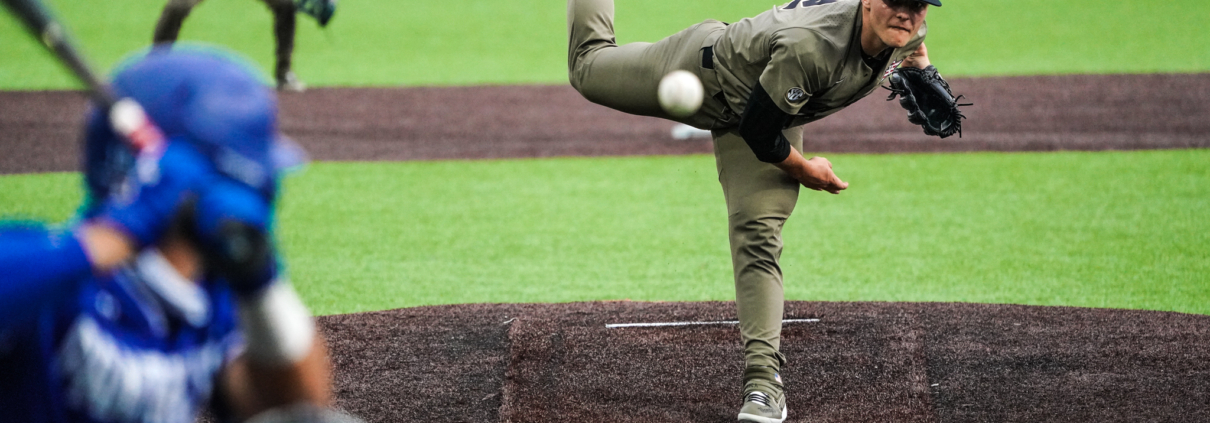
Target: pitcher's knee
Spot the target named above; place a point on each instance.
(574, 78)
(757, 238)
(759, 230)
(578, 64)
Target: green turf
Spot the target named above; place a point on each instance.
(1110, 229)
(429, 42)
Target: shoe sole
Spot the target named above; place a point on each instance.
(744, 417)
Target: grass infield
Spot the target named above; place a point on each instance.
(1106, 229)
(430, 42)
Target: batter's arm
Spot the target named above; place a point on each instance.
(39, 266)
(106, 246)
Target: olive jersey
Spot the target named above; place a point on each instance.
(140, 345)
(807, 56)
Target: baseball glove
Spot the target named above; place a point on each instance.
(321, 10)
(928, 99)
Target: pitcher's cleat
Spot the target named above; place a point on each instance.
(321, 10)
(760, 407)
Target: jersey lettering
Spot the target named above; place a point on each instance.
(112, 382)
(807, 3)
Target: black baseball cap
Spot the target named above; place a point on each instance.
(932, 2)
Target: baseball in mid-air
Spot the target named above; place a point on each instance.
(680, 93)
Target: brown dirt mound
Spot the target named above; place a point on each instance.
(883, 362)
(41, 129)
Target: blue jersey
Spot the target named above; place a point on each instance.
(140, 345)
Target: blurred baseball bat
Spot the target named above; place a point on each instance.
(125, 115)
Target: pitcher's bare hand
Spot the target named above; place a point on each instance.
(815, 173)
(818, 175)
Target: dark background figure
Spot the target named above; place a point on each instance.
(169, 27)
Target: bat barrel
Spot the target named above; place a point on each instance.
(43, 25)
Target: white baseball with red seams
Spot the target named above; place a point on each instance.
(680, 93)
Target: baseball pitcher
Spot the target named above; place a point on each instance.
(764, 78)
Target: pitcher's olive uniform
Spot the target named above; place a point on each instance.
(804, 58)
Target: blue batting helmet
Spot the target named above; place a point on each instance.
(202, 96)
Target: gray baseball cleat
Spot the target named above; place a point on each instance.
(761, 406)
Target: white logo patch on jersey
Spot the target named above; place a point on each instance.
(795, 95)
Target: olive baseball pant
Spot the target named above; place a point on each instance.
(760, 197)
(169, 27)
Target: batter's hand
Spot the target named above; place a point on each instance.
(232, 221)
(817, 175)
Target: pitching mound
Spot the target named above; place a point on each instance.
(868, 362)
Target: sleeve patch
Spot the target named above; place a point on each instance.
(795, 95)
